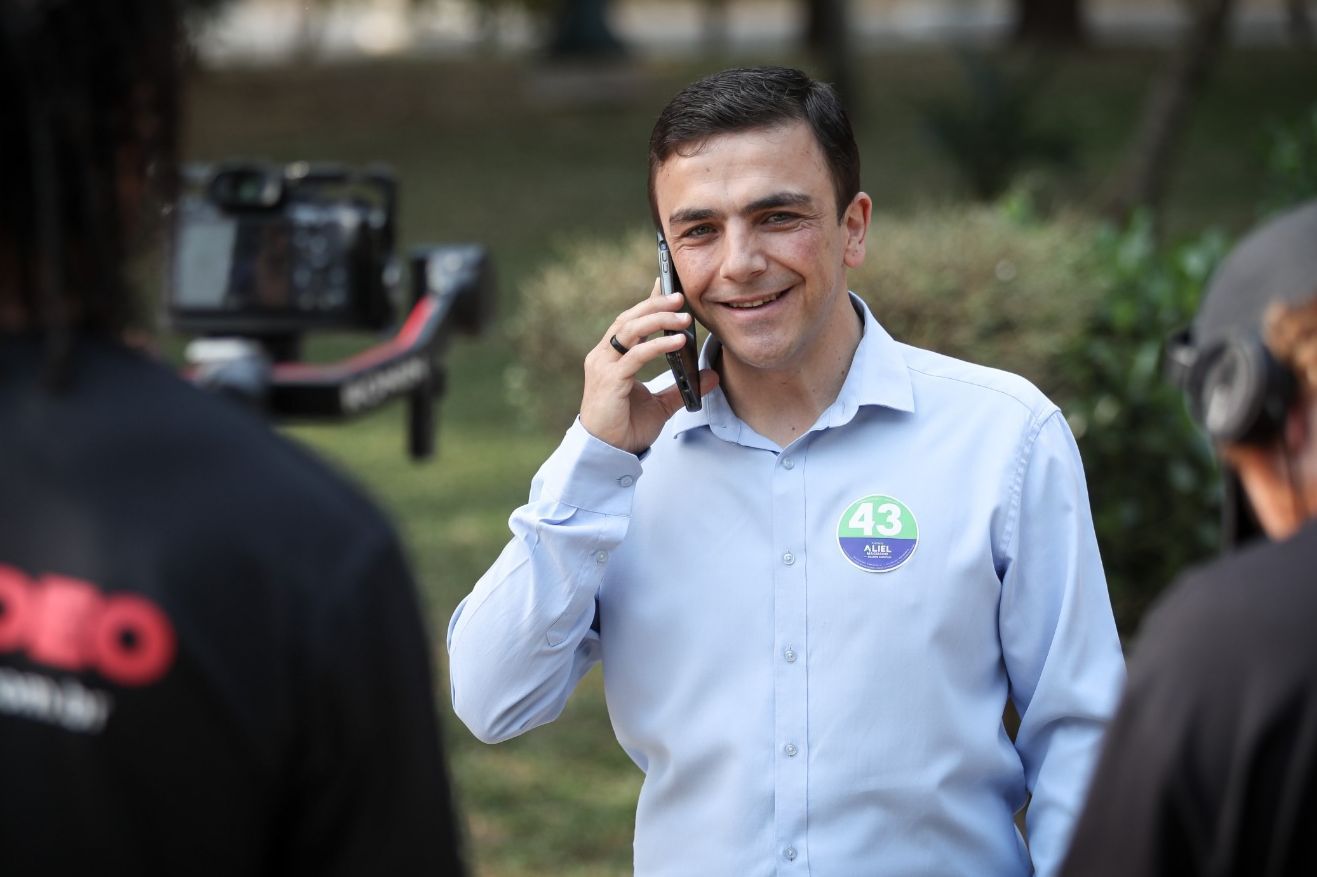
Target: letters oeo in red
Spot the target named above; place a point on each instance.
(67, 623)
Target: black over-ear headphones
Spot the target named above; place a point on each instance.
(1236, 390)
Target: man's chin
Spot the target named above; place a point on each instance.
(755, 356)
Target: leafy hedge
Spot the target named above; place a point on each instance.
(1152, 481)
(562, 312)
(986, 284)
(1079, 308)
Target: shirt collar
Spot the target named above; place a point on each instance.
(878, 376)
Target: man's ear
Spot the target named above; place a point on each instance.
(856, 220)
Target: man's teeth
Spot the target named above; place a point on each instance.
(756, 303)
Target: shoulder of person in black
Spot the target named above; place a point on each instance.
(1252, 600)
(1211, 760)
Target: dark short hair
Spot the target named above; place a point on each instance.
(746, 98)
(88, 90)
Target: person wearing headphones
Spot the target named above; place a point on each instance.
(1210, 766)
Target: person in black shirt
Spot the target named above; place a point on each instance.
(1210, 767)
(211, 654)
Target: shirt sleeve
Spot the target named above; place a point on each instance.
(1059, 639)
(369, 792)
(523, 638)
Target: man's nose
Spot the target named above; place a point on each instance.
(743, 256)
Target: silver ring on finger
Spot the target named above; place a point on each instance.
(619, 346)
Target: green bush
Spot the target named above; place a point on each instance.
(988, 284)
(1151, 478)
(982, 283)
(562, 312)
(1292, 161)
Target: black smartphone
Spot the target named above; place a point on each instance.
(685, 363)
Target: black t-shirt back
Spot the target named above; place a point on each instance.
(211, 653)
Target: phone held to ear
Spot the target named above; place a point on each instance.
(685, 362)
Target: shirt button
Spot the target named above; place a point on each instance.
(790, 655)
(790, 749)
(626, 481)
(788, 463)
(789, 853)
(788, 558)
(601, 557)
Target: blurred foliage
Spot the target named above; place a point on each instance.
(1292, 161)
(978, 282)
(565, 306)
(1151, 477)
(988, 283)
(992, 132)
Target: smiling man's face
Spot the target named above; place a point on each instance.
(751, 218)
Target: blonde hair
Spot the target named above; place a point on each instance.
(1291, 336)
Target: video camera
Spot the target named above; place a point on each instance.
(265, 253)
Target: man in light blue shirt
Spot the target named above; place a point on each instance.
(813, 597)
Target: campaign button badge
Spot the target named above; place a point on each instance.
(877, 533)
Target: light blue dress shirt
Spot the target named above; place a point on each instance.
(804, 695)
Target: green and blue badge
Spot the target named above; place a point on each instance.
(877, 533)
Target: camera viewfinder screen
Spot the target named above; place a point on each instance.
(271, 264)
(204, 258)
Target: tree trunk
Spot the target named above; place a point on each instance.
(583, 31)
(826, 26)
(1300, 21)
(1142, 180)
(1049, 22)
(716, 26)
(310, 32)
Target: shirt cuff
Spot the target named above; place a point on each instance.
(590, 474)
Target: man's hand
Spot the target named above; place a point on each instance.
(617, 408)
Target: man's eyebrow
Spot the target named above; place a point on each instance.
(691, 214)
(779, 199)
(768, 202)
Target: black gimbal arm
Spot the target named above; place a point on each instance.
(452, 288)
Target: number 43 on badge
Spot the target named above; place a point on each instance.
(877, 533)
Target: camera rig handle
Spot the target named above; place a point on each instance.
(451, 289)
(265, 253)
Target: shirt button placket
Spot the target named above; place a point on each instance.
(790, 584)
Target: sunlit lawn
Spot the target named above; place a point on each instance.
(485, 152)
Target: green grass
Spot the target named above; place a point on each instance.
(483, 155)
